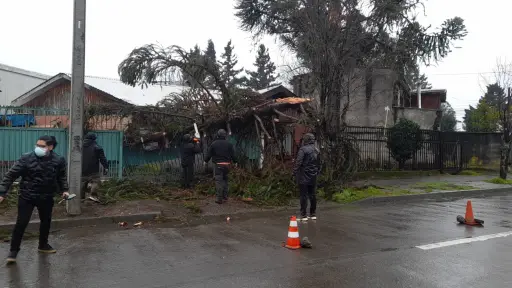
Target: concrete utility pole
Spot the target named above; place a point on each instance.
(76, 109)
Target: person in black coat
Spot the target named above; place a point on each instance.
(92, 155)
(189, 149)
(222, 154)
(42, 172)
(306, 170)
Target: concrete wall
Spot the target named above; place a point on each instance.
(368, 95)
(424, 117)
(14, 82)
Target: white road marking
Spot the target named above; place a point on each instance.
(463, 241)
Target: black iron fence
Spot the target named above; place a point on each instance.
(439, 150)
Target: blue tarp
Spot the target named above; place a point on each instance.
(20, 120)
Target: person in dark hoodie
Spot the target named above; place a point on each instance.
(222, 154)
(306, 170)
(92, 156)
(189, 149)
(42, 173)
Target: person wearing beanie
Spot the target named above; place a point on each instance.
(222, 154)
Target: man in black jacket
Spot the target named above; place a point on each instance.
(42, 172)
(189, 149)
(222, 154)
(92, 156)
(306, 169)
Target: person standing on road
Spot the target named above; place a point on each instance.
(222, 154)
(92, 156)
(189, 149)
(41, 172)
(306, 170)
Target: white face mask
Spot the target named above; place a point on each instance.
(40, 152)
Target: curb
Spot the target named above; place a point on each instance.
(89, 221)
(438, 195)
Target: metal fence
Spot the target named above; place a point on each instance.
(439, 150)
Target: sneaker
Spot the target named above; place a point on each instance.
(218, 201)
(11, 258)
(312, 216)
(47, 249)
(303, 218)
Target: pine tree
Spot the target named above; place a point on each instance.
(193, 75)
(210, 55)
(264, 76)
(228, 72)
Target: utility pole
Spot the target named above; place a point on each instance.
(76, 109)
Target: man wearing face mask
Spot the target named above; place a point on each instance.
(41, 172)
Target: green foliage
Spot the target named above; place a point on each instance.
(448, 121)
(404, 139)
(264, 76)
(349, 195)
(125, 190)
(500, 181)
(228, 72)
(211, 55)
(470, 173)
(441, 186)
(193, 75)
(483, 118)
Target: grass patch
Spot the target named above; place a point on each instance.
(393, 174)
(498, 180)
(441, 186)
(350, 195)
(470, 173)
(125, 190)
(192, 207)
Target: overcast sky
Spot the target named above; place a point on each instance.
(37, 35)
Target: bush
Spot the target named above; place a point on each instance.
(404, 140)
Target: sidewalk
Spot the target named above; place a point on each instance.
(202, 210)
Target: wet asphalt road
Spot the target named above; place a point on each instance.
(359, 246)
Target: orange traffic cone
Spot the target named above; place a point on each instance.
(293, 241)
(469, 218)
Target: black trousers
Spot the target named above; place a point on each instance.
(307, 192)
(221, 182)
(187, 175)
(25, 208)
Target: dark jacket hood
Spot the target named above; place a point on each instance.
(187, 138)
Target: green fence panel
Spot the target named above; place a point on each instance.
(16, 141)
(112, 143)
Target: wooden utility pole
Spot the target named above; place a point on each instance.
(76, 108)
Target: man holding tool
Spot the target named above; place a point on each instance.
(42, 172)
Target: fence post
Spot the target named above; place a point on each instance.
(441, 152)
(120, 166)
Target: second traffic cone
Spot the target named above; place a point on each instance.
(293, 241)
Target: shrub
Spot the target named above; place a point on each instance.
(404, 140)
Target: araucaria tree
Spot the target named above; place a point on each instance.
(331, 38)
(264, 76)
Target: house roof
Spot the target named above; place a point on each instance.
(108, 88)
(53, 82)
(23, 72)
(441, 92)
(276, 92)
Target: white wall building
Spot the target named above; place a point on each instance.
(15, 82)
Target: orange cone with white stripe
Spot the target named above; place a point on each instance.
(293, 241)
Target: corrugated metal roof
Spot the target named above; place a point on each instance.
(23, 72)
(134, 95)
